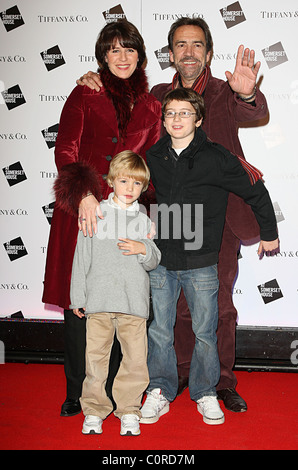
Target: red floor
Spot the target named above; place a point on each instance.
(31, 396)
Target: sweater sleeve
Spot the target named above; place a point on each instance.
(80, 268)
(153, 256)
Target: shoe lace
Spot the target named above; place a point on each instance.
(129, 420)
(208, 402)
(155, 399)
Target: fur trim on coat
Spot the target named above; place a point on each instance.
(73, 182)
(124, 94)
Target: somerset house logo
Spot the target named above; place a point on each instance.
(114, 14)
(48, 210)
(50, 135)
(278, 213)
(163, 57)
(275, 55)
(270, 291)
(13, 97)
(18, 314)
(52, 58)
(232, 15)
(12, 18)
(14, 173)
(15, 249)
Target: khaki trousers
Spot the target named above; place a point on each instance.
(132, 377)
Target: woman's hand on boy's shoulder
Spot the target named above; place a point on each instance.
(89, 208)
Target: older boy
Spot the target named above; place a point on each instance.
(189, 170)
(110, 282)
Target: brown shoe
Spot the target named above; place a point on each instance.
(232, 400)
(182, 384)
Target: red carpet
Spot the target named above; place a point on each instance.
(31, 396)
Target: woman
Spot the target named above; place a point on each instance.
(94, 126)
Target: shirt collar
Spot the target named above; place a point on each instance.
(134, 207)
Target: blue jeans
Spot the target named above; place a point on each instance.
(200, 288)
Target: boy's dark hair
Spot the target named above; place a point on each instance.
(189, 95)
(127, 35)
(199, 22)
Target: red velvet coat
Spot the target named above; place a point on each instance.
(88, 138)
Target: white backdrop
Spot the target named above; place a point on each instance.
(45, 46)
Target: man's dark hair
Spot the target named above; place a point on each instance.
(199, 22)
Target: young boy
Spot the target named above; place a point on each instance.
(196, 175)
(110, 282)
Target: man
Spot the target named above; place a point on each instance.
(227, 104)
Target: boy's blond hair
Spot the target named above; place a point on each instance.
(131, 165)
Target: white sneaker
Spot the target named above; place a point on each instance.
(209, 407)
(154, 407)
(130, 425)
(92, 425)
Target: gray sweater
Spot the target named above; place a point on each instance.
(105, 280)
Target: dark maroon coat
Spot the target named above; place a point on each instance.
(87, 140)
(224, 112)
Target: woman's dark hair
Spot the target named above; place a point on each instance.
(185, 94)
(127, 35)
(199, 22)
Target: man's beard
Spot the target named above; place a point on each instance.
(187, 71)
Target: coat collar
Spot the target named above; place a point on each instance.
(164, 145)
(124, 94)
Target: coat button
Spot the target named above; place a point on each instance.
(104, 177)
(109, 158)
(114, 140)
(166, 157)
